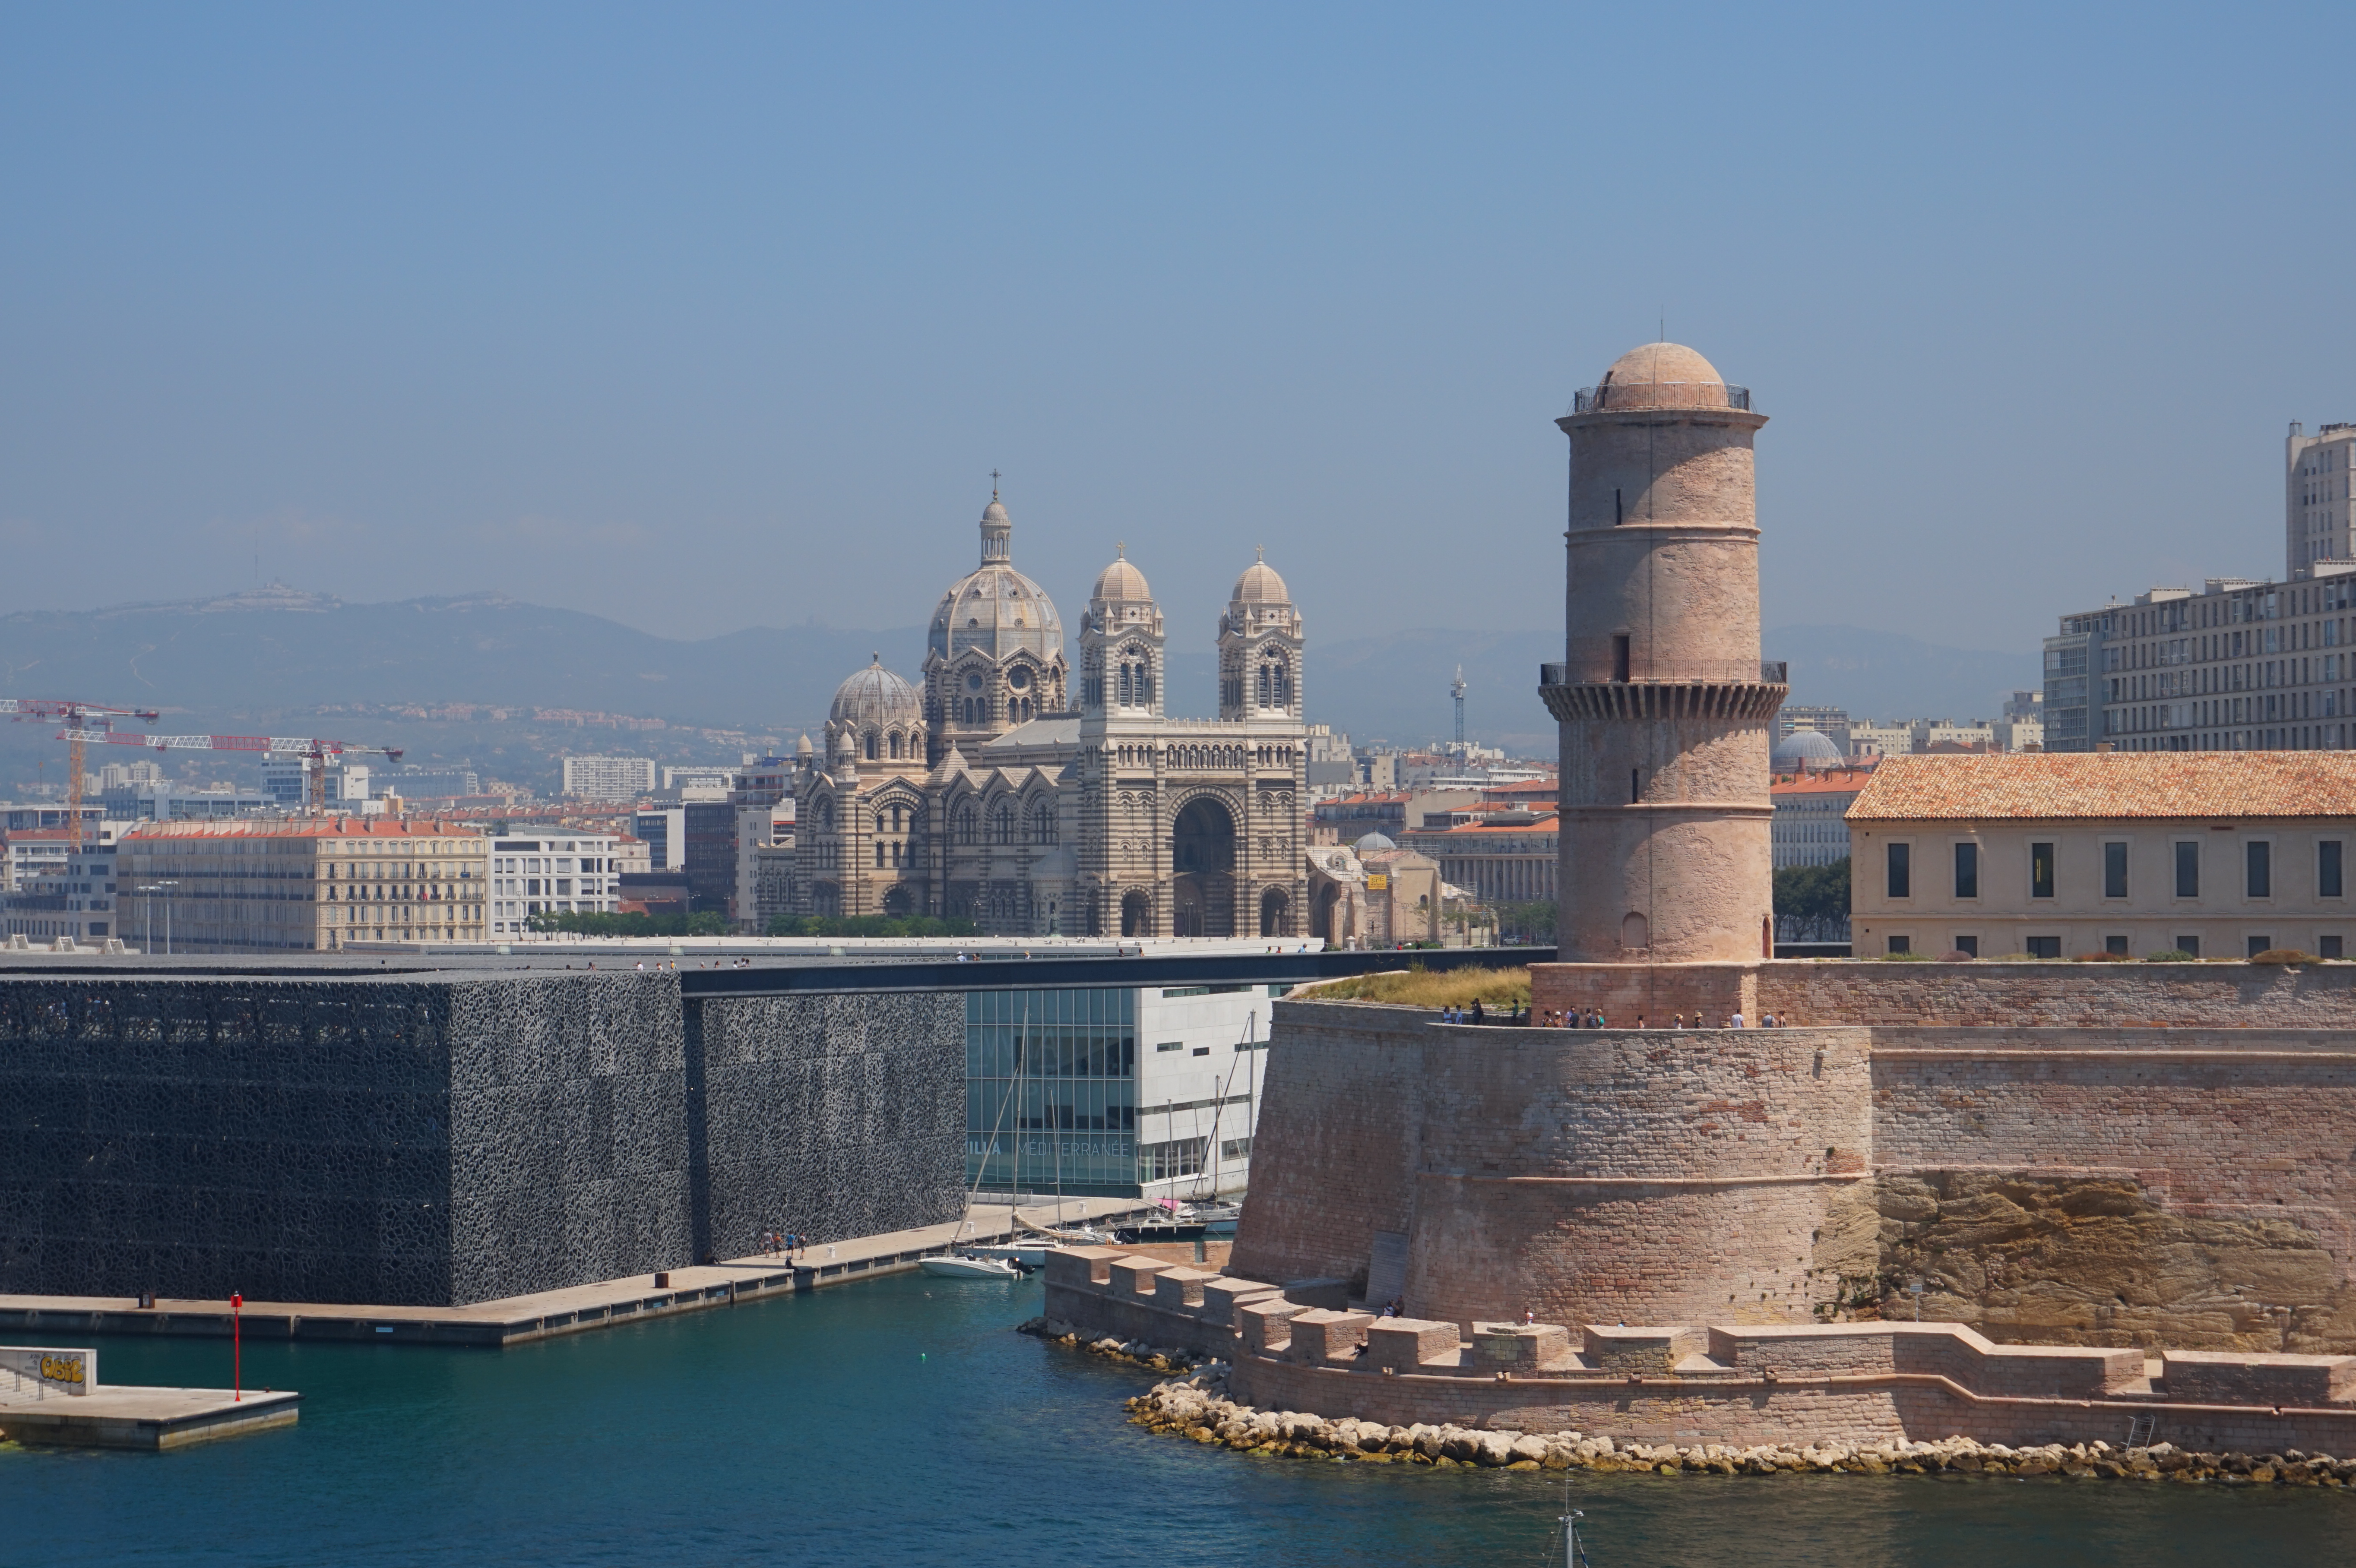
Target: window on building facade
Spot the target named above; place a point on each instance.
(1968, 945)
(1901, 945)
(2115, 872)
(2327, 870)
(2041, 872)
(2045, 948)
(2188, 870)
(1901, 862)
(2258, 944)
(1968, 871)
(2329, 947)
(2115, 944)
(2258, 874)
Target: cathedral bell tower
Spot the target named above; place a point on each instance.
(1121, 649)
(1260, 649)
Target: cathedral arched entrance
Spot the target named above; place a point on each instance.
(899, 902)
(1203, 856)
(1136, 914)
(1275, 913)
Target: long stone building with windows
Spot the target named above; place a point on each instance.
(1010, 789)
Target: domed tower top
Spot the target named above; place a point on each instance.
(876, 717)
(1121, 584)
(994, 608)
(1661, 376)
(1259, 584)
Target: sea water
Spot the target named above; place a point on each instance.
(903, 1421)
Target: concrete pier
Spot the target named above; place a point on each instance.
(519, 1318)
(130, 1416)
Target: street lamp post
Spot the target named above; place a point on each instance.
(148, 912)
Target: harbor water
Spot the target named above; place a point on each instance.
(901, 1421)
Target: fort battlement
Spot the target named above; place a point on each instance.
(1734, 1383)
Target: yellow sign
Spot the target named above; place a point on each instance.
(61, 1369)
(1377, 882)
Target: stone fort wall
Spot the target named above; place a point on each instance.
(1978, 995)
(435, 1140)
(1735, 1384)
(2186, 1185)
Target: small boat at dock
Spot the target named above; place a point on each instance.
(967, 1265)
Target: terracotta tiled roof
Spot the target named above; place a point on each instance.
(303, 827)
(2100, 785)
(1845, 781)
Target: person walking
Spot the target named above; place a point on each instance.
(1477, 1017)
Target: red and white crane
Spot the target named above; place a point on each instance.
(83, 721)
(317, 751)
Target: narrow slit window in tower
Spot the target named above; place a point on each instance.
(1619, 657)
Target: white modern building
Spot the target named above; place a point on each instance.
(558, 871)
(609, 778)
(1145, 1091)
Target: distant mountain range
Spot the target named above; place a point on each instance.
(508, 685)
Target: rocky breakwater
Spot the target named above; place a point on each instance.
(1198, 1409)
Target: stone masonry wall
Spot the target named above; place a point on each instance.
(1815, 992)
(2187, 1186)
(1335, 1148)
(1595, 1175)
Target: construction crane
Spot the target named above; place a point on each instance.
(315, 752)
(83, 721)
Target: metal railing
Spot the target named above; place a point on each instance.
(1771, 672)
(1592, 400)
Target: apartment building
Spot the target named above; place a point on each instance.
(1810, 827)
(609, 778)
(2319, 512)
(2237, 666)
(2062, 854)
(553, 872)
(73, 898)
(304, 884)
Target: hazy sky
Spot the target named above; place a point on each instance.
(699, 318)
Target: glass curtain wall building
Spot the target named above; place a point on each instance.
(1151, 1092)
(1051, 1090)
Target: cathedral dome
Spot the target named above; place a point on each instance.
(1259, 584)
(875, 698)
(1661, 376)
(1121, 581)
(1805, 749)
(1372, 844)
(996, 609)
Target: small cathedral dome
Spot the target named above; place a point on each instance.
(1805, 749)
(1661, 376)
(1372, 844)
(875, 698)
(1259, 584)
(1121, 581)
(803, 748)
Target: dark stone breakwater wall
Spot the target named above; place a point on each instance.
(433, 1140)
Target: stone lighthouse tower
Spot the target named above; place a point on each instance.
(1664, 706)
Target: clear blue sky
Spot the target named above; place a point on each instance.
(699, 317)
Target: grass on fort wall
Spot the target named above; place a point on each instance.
(1434, 988)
